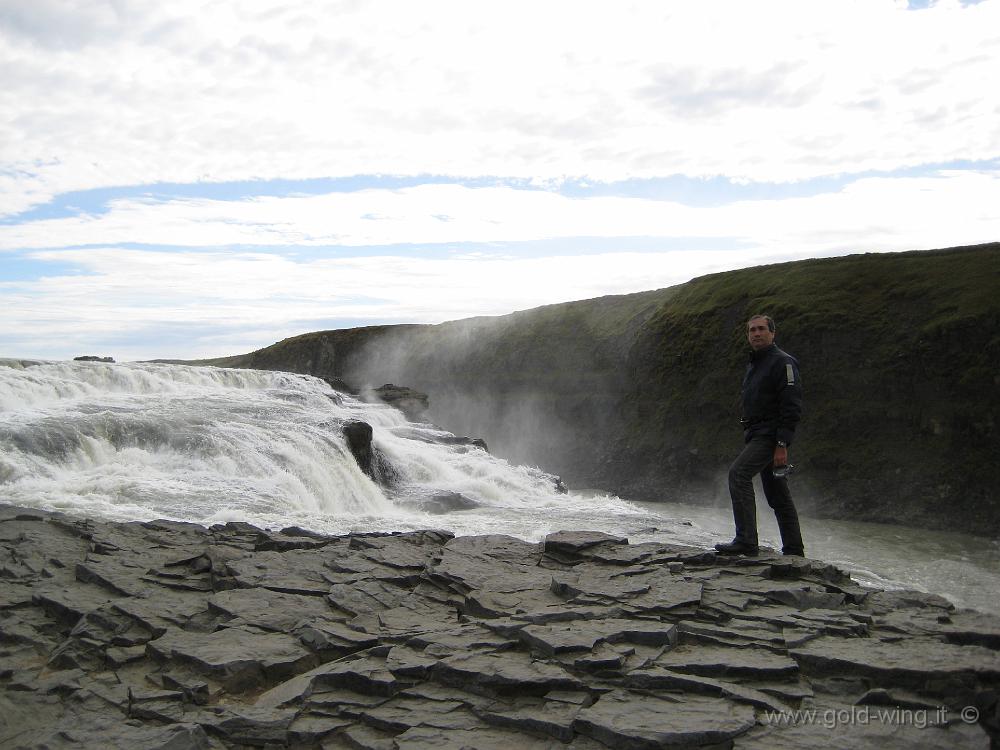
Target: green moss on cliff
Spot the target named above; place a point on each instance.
(898, 353)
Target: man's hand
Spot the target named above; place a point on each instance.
(780, 455)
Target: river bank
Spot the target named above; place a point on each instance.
(963, 568)
(167, 634)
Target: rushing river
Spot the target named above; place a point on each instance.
(143, 441)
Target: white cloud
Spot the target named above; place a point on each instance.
(872, 213)
(125, 293)
(238, 301)
(124, 93)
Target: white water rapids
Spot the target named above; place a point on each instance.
(208, 445)
(140, 441)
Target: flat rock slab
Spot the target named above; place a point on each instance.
(634, 721)
(618, 553)
(400, 714)
(733, 633)
(495, 563)
(363, 674)
(658, 678)
(924, 665)
(245, 725)
(570, 542)
(718, 661)
(490, 603)
(126, 737)
(651, 592)
(666, 597)
(118, 578)
(293, 572)
(460, 638)
(481, 738)
(333, 638)
(165, 609)
(840, 623)
(71, 601)
(599, 584)
(794, 593)
(408, 551)
(965, 628)
(504, 673)
(557, 638)
(539, 716)
(271, 610)
(236, 658)
(416, 616)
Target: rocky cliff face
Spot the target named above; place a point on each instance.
(638, 393)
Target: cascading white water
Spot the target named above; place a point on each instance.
(142, 441)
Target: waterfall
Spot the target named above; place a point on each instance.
(139, 441)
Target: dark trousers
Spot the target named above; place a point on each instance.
(756, 459)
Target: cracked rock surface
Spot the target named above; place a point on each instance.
(173, 635)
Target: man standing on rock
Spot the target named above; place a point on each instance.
(772, 404)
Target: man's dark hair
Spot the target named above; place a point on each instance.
(768, 318)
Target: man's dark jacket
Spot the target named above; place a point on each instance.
(772, 395)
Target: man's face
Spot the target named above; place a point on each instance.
(758, 334)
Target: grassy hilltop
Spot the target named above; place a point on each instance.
(638, 393)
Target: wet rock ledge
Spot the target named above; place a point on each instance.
(171, 635)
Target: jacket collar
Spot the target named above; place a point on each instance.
(756, 355)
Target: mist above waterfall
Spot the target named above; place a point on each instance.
(514, 380)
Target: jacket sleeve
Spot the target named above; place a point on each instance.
(789, 388)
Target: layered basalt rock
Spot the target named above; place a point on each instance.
(172, 635)
(409, 401)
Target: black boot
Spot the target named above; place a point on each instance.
(737, 547)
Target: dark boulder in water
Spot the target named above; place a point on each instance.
(359, 440)
(93, 358)
(412, 403)
(371, 460)
(461, 440)
(439, 437)
(447, 502)
(339, 385)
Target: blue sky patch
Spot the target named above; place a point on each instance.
(719, 191)
(30, 268)
(924, 4)
(688, 191)
(24, 268)
(97, 201)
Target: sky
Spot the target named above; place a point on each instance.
(202, 178)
